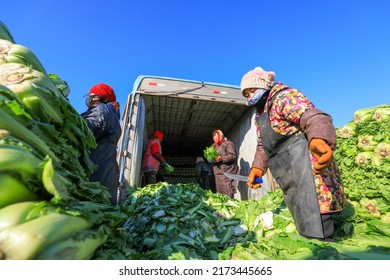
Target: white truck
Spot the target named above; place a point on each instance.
(187, 112)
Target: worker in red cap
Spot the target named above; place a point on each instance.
(102, 117)
(153, 158)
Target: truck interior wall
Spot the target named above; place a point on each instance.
(244, 137)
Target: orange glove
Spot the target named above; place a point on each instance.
(321, 152)
(255, 172)
(217, 158)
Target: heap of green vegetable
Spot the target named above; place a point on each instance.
(48, 208)
(210, 153)
(183, 221)
(363, 156)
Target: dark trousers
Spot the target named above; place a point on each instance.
(327, 226)
(150, 177)
(205, 180)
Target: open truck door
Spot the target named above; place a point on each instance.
(187, 112)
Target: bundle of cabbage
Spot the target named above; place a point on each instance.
(48, 207)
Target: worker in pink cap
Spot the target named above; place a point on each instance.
(296, 143)
(102, 117)
(153, 158)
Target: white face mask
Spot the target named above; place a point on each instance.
(256, 97)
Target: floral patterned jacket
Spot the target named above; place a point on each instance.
(293, 113)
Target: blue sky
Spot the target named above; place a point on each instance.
(336, 51)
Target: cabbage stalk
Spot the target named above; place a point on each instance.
(383, 150)
(20, 212)
(80, 246)
(381, 114)
(347, 130)
(14, 53)
(26, 240)
(13, 191)
(18, 123)
(5, 34)
(34, 89)
(363, 115)
(364, 158)
(366, 142)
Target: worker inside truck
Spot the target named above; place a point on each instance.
(153, 158)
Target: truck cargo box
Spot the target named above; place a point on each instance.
(187, 112)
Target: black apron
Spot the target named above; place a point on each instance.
(289, 162)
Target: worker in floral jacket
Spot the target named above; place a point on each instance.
(102, 117)
(296, 142)
(224, 162)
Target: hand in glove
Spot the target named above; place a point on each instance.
(321, 152)
(255, 172)
(168, 167)
(217, 158)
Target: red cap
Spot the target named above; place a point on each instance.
(158, 134)
(104, 91)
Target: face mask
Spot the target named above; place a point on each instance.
(89, 101)
(255, 98)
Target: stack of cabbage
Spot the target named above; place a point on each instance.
(363, 155)
(48, 209)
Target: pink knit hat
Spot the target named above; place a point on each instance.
(257, 78)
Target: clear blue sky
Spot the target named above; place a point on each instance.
(337, 52)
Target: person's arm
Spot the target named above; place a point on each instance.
(260, 158)
(317, 124)
(155, 150)
(321, 136)
(96, 119)
(230, 155)
(259, 166)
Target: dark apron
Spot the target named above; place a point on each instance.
(289, 162)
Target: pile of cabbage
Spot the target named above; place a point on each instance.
(182, 221)
(48, 207)
(363, 156)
